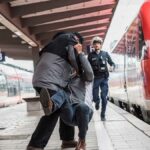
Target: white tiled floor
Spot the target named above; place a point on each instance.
(121, 131)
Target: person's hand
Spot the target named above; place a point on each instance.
(73, 74)
(111, 68)
(78, 48)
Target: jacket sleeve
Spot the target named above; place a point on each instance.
(89, 57)
(72, 57)
(109, 60)
(71, 41)
(87, 69)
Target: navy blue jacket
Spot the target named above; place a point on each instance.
(99, 63)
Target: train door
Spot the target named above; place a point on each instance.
(145, 57)
(145, 21)
(132, 67)
(117, 79)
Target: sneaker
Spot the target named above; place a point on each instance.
(69, 144)
(97, 106)
(46, 101)
(81, 145)
(33, 148)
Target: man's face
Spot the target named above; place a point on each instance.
(97, 46)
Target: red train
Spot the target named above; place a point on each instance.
(15, 83)
(130, 83)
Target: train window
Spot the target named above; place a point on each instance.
(2, 83)
(143, 50)
(12, 88)
(3, 89)
(131, 50)
(131, 39)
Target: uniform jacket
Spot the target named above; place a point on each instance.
(99, 63)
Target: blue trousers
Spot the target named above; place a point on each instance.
(101, 83)
(77, 115)
(58, 97)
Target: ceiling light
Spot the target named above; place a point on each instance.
(2, 27)
(18, 33)
(31, 43)
(23, 42)
(1, 19)
(14, 36)
(29, 47)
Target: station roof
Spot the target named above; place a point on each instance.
(36, 21)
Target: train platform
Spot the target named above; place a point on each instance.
(121, 131)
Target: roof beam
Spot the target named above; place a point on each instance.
(19, 54)
(93, 32)
(89, 38)
(86, 38)
(82, 34)
(74, 29)
(31, 21)
(87, 42)
(92, 35)
(42, 6)
(63, 24)
(5, 11)
(5, 1)
(17, 51)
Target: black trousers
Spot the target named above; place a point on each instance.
(66, 132)
(77, 115)
(45, 128)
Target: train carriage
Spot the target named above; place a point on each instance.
(130, 83)
(15, 83)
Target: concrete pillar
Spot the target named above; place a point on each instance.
(35, 55)
(34, 105)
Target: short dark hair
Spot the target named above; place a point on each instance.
(79, 37)
(58, 34)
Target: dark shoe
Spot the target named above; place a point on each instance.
(69, 144)
(46, 101)
(33, 148)
(103, 119)
(97, 106)
(81, 145)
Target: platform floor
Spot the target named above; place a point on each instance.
(121, 131)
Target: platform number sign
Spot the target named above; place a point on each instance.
(2, 56)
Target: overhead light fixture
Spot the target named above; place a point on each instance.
(14, 36)
(23, 42)
(1, 19)
(2, 27)
(29, 47)
(17, 31)
(31, 43)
